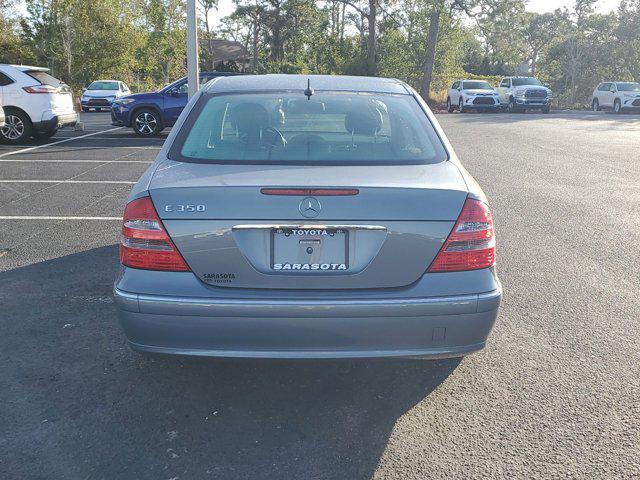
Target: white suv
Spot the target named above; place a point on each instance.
(472, 94)
(523, 93)
(616, 96)
(35, 103)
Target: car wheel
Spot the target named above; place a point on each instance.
(546, 109)
(45, 135)
(511, 107)
(86, 109)
(617, 106)
(147, 123)
(461, 106)
(595, 105)
(450, 108)
(17, 127)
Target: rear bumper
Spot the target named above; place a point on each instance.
(432, 327)
(57, 121)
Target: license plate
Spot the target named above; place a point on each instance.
(309, 249)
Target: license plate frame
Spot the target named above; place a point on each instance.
(324, 265)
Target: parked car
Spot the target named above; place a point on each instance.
(616, 96)
(518, 94)
(149, 113)
(472, 94)
(100, 94)
(298, 216)
(35, 103)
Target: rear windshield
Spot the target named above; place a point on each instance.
(103, 86)
(44, 78)
(328, 128)
(477, 86)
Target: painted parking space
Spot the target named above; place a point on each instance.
(48, 188)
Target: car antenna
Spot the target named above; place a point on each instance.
(309, 91)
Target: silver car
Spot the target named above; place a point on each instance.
(293, 216)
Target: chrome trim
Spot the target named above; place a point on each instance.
(292, 308)
(306, 226)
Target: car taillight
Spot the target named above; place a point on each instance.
(145, 242)
(41, 89)
(471, 245)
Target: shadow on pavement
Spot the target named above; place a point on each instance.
(77, 403)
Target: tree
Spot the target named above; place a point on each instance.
(369, 12)
(538, 31)
(438, 9)
(207, 6)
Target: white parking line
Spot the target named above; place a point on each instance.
(122, 138)
(14, 152)
(46, 160)
(31, 217)
(123, 182)
(86, 147)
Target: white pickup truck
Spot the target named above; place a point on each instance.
(518, 94)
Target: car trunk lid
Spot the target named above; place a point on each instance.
(232, 234)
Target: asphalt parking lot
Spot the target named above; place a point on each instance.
(554, 395)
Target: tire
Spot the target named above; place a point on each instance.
(86, 109)
(17, 128)
(450, 108)
(511, 107)
(617, 106)
(546, 109)
(45, 135)
(461, 107)
(147, 123)
(595, 105)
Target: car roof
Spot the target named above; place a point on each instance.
(107, 80)
(25, 68)
(255, 83)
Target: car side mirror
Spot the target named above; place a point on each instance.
(84, 89)
(173, 92)
(613, 90)
(547, 85)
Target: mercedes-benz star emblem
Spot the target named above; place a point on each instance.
(310, 207)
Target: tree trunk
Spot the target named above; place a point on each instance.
(342, 23)
(371, 38)
(534, 62)
(430, 53)
(254, 60)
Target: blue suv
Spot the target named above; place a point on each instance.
(149, 113)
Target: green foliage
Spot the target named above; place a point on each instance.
(143, 41)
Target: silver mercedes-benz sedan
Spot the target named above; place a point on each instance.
(292, 216)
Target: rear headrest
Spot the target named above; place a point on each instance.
(364, 121)
(247, 117)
